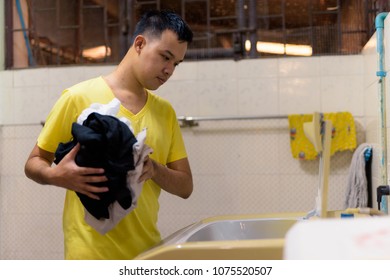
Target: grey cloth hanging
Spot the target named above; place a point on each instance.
(357, 186)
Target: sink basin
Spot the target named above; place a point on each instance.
(272, 228)
(226, 238)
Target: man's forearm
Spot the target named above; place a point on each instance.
(175, 181)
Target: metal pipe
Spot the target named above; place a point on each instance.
(9, 34)
(240, 12)
(381, 73)
(253, 26)
(105, 20)
(31, 60)
(209, 53)
(123, 28)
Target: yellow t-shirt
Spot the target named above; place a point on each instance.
(137, 231)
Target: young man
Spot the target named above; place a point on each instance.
(159, 45)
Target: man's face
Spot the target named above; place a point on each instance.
(159, 58)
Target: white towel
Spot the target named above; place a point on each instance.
(140, 151)
(357, 193)
(109, 109)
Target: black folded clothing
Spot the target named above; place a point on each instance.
(105, 142)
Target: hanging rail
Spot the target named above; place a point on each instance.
(42, 123)
(193, 121)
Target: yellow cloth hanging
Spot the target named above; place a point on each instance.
(343, 134)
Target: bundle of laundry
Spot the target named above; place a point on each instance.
(108, 142)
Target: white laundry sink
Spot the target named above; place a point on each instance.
(247, 229)
(227, 238)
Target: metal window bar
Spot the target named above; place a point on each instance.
(208, 32)
(265, 18)
(55, 53)
(336, 12)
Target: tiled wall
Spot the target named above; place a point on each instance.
(246, 167)
(238, 166)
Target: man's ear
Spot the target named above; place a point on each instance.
(139, 43)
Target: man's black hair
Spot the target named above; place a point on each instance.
(155, 22)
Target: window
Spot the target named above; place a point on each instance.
(68, 32)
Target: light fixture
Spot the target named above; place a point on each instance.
(248, 45)
(98, 52)
(288, 49)
(302, 50)
(279, 48)
(268, 47)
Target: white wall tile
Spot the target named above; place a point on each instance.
(51, 199)
(258, 96)
(300, 95)
(370, 67)
(7, 105)
(30, 104)
(91, 71)
(371, 101)
(182, 95)
(65, 76)
(262, 200)
(341, 65)
(372, 129)
(186, 71)
(13, 163)
(31, 77)
(299, 67)
(34, 236)
(296, 193)
(342, 93)
(257, 68)
(6, 79)
(217, 97)
(211, 70)
(256, 155)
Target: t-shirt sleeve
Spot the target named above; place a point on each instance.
(178, 150)
(58, 124)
